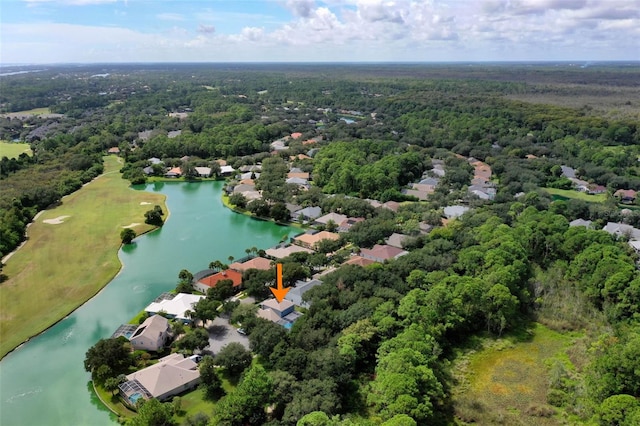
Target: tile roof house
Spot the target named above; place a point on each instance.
(311, 240)
(381, 253)
(151, 335)
(176, 307)
(206, 283)
(256, 263)
(296, 135)
(282, 313)
(174, 172)
(172, 375)
(346, 224)
(300, 175)
(282, 252)
(337, 218)
(114, 150)
(359, 261)
(626, 195)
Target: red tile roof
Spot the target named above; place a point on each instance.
(229, 274)
(296, 135)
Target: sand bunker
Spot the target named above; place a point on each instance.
(56, 221)
(144, 203)
(131, 225)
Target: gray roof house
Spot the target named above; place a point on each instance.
(307, 213)
(395, 240)
(622, 230)
(172, 375)
(151, 335)
(295, 294)
(581, 222)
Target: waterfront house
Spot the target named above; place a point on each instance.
(204, 284)
(151, 335)
(172, 375)
(174, 307)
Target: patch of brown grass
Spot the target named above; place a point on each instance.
(506, 382)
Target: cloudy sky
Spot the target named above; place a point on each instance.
(63, 31)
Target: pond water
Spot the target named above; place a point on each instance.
(43, 382)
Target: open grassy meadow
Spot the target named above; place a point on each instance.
(570, 193)
(13, 150)
(70, 254)
(506, 380)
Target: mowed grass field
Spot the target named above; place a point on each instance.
(13, 150)
(63, 265)
(570, 193)
(506, 381)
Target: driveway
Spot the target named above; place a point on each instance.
(221, 333)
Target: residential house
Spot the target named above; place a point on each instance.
(260, 263)
(568, 172)
(359, 261)
(294, 295)
(311, 241)
(226, 170)
(626, 195)
(176, 307)
(337, 218)
(396, 240)
(172, 375)
(391, 205)
(302, 183)
(280, 252)
(597, 189)
(452, 212)
(114, 150)
(204, 284)
(580, 222)
(154, 160)
(382, 252)
(282, 313)
(151, 335)
(175, 172)
(296, 135)
(622, 230)
(204, 172)
(346, 224)
(174, 134)
(299, 175)
(308, 213)
(420, 195)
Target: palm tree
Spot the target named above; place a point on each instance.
(230, 259)
(216, 265)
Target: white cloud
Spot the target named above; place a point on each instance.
(170, 16)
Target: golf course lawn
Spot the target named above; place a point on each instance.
(13, 150)
(71, 253)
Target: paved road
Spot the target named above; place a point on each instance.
(221, 333)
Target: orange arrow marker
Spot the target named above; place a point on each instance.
(279, 292)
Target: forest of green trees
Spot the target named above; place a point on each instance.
(378, 343)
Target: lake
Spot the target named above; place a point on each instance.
(43, 382)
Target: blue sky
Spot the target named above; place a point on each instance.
(85, 31)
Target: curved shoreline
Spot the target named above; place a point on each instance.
(99, 288)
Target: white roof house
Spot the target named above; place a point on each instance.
(151, 335)
(176, 307)
(226, 170)
(203, 171)
(171, 376)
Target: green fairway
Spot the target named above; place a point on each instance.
(70, 254)
(13, 150)
(570, 193)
